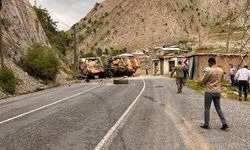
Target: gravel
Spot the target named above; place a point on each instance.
(190, 104)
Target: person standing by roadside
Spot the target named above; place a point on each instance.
(179, 69)
(212, 81)
(232, 74)
(243, 76)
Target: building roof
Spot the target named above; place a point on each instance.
(126, 55)
(170, 49)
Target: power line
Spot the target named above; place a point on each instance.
(33, 17)
(76, 4)
(59, 19)
(62, 22)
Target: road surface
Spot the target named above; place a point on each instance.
(145, 114)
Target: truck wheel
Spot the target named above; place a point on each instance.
(120, 81)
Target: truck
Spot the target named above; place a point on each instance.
(105, 66)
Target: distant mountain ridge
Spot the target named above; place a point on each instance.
(138, 24)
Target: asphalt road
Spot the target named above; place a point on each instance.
(146, 114)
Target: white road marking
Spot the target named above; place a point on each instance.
(107, 139)
(45, 106)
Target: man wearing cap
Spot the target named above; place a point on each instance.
(243, 76)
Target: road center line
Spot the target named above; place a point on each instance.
(45, 106)
(107, 139)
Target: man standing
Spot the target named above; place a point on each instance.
(232, 73)
(243, 76)
(179, 69)
(212, 81)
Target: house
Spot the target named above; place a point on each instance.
(197, 62)
(164, 59)
(170, 62)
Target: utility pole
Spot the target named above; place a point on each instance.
(229, 30)
(199, 40)
(1, 38)
(199, 36)
(75, 54)
(228, 37)
(35, 3)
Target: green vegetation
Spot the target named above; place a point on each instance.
(81, 37)
(194, 84)
(41, 62)
(73, 74)
(8, 80)
(215, 50)
(89, 54)
(228, 91)
(182, 41)
(58, 39)
(223, 36)
(99, 52)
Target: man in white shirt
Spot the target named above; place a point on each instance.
(232, 74)
(243, 76)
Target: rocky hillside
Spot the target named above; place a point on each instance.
(137, 24)
(21, 28)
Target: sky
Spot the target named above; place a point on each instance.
(66, 12)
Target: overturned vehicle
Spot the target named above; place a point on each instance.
(95, 66)
(124, 65)
(104, 66)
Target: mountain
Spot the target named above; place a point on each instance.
(139, 24)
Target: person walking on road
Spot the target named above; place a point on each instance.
(212, 81)
(232, 74)
(179, 69)
(243, 76)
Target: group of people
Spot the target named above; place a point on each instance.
(211, 78)
(241, 79)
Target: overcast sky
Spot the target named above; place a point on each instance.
(67, 12)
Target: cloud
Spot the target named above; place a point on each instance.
(67, 12)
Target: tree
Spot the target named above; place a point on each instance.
(58, 39)
(245, 39)
(99, 52)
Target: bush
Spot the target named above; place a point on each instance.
(8, 80)
(41, 62)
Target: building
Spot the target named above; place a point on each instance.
(196, 63)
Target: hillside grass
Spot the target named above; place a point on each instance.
(228, 91)
(220, 50)
(236, 36)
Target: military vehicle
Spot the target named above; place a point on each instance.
(92, 67)
(104, 66)
(124, 65)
